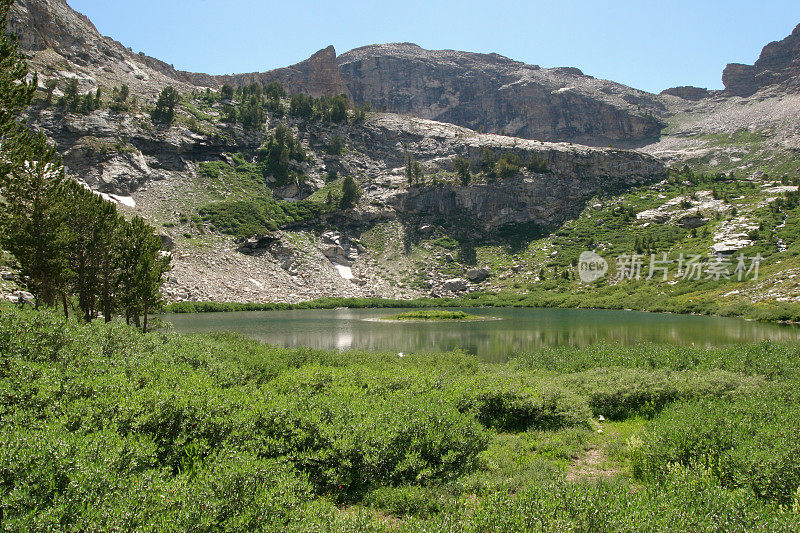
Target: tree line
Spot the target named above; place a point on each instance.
(74, 249)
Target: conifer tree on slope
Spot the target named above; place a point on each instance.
(31, 177)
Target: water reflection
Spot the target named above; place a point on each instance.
(520, 330)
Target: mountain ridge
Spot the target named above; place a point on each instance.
(407, 236)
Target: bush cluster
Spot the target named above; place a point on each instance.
(103, 428)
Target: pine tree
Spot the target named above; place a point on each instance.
(461, 167)
(32, 217)
(71, 99)
(50, 87)
(16, 92)
(165, 106)
(119, 98)
(226, 93)
(417, 174)
(66, 239)
(142, 268)
(93, 240)
(31, 178)
(351, 192)
(488, 161)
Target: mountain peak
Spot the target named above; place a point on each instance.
(779, 63)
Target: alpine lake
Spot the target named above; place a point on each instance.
(506, 331)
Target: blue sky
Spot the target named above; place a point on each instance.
(646, 44)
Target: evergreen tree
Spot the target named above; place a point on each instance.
(417, 174)
(71, 99)
(337, 146)
(251, 113)
(461, 167)
(488, 161)
(360, 113)
(281, 149)
(30, 179)
(351, 192)
(226, 93)
(119, 98)
(32, 217)
(165, 106)
(536, 165)
(50, 87)
(507, 166)
(87, 103)
(93, 240)
(142, 269)
(274, 91)
(302, 106)
(67, 240)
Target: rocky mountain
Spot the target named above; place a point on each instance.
(485, 92)
(317, 76)
(778, 65)
(752, 127)
(495, 94)
(401, 239)
(63, 43)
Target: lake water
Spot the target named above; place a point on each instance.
(519, 330)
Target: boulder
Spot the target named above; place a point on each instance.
(167, 243)
(455, 285)
(478, 275)
(691, 221)
(23, 296)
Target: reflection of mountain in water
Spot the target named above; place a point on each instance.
(521, 330)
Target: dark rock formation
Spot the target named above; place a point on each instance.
(687, 92)
(779, 63)
(492, 93)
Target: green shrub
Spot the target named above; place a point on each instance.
(517, 405)
(687, 500)
(259, 216)
(752, 442)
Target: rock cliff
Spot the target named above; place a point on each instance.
(495, 94)
(317, 76)
(485, 92)
(63, 44)
(778, 64)
(687, 92)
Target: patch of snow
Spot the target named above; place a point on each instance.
(345, 271)
(127, 201)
